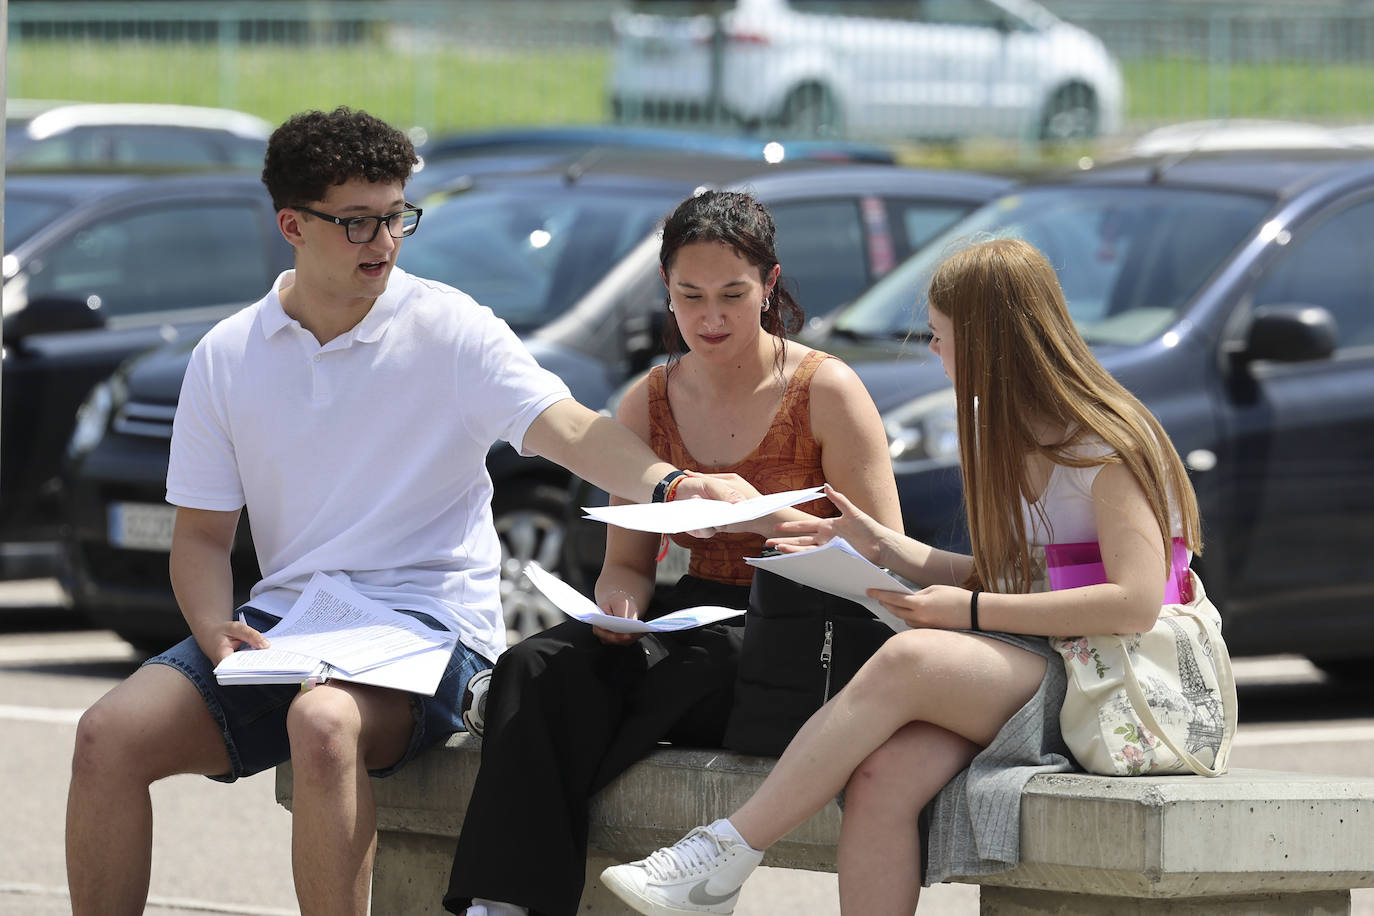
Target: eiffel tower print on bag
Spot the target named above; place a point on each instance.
(1158, 702)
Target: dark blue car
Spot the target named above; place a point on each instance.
(568, 257)
(1234, 294)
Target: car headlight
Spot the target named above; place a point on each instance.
(91, 419)
(923, 432)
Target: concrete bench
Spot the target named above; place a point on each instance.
(1251, 842)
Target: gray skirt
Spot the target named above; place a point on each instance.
(973, 826)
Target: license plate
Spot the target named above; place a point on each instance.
(141, 526)
(674, 565)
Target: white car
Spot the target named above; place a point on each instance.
(60, 134)
(948, 69)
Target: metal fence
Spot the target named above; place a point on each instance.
(459, 65)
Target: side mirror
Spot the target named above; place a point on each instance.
(1290, 333)
(52, 315)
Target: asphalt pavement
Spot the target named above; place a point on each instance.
(226, 849)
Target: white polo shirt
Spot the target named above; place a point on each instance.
(366, 456)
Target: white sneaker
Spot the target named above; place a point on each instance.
(701, 873)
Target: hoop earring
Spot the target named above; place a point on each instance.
(670, 306)
(765, 305)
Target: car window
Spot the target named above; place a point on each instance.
(865, 9)
(1331, 266)
(964, 12)
(25, 215)
(123, 144)
(157, 259)
(922, 220)
(528, 256)
(821, 248)
(1128, 258)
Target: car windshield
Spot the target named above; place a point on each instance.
(528, 255)
(26, 214)
(1129, 259)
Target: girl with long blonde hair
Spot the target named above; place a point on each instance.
(951, 717)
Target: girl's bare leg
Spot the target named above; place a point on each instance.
(880, 843)
(969, 685)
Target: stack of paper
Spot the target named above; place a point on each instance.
(335, 632)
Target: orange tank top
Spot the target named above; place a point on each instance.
(787, 458)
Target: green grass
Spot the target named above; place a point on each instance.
(1161, 90)
(445, 91)
(452, 89)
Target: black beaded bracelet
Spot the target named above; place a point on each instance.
(661, 488)
(973, 611)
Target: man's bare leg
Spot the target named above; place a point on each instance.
(154, 724)
(337, 734)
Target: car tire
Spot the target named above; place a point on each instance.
(530, 520)
(810, 111)
(1070, 115)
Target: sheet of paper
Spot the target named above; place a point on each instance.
(836, 567)
(692, 514)
(333, 621)
(576, 605)
(419, 672)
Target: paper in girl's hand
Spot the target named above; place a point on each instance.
(576, 605)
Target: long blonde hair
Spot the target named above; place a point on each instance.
(1019, 357)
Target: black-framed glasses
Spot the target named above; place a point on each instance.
(363, 229)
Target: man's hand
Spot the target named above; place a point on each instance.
(225, 639)
(730, 488)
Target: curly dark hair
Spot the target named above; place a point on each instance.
(313, 151)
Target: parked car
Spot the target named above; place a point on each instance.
(569, 260)
(123, 134)
(942, 69)
(532, 147)
(1233, 292)
(96, 269)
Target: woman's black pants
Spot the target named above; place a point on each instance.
(565, 715)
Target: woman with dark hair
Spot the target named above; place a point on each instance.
(950, 718)
(572, 707)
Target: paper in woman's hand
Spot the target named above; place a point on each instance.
(573, 603)
(697, 514)
(836, 567)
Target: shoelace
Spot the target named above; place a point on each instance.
(692, 852)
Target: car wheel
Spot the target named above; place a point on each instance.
(1070, 115)
(529, 521)
(810, 111)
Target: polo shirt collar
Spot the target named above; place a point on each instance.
(370, 329)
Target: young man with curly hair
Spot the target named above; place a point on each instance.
(350, 412)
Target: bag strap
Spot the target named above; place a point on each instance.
(1225, 681)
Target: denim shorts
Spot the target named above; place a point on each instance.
(252, 717)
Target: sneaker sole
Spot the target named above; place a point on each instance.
(641, 904)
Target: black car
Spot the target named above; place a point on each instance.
(1234, 294)
(568, 257)
(99, 267)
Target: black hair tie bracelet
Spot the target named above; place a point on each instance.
(973, 611)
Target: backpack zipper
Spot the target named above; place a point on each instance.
(827, 650)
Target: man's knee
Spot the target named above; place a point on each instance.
(324, 727)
